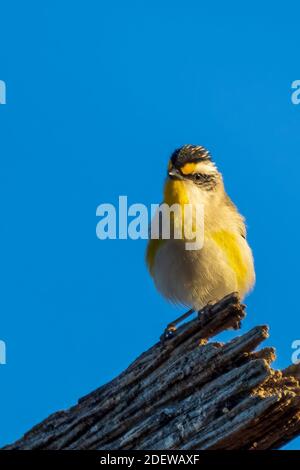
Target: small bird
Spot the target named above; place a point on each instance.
(224, 264)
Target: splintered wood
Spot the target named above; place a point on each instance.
(186, 393)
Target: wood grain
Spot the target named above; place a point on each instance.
(186, 393)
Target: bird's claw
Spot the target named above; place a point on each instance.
(205, 309)
(169, 332)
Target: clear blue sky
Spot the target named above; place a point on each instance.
(98, 95)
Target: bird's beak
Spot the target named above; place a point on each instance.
(173, 173)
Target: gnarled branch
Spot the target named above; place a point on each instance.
(186, 393)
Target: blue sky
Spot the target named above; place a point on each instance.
(98, 95)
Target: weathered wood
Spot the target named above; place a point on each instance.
(186, 393)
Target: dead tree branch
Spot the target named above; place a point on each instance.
(186, 393)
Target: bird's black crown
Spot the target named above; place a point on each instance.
(189, 153)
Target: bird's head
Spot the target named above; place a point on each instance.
(193, 165)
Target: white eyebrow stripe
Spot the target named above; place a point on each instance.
(207, 167)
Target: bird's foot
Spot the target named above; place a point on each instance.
(170, 331)
(206, 308)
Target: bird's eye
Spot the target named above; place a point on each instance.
(197, 176)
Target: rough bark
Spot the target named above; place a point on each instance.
(186, 393)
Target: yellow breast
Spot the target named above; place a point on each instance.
(174, 193)
(229, 244)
